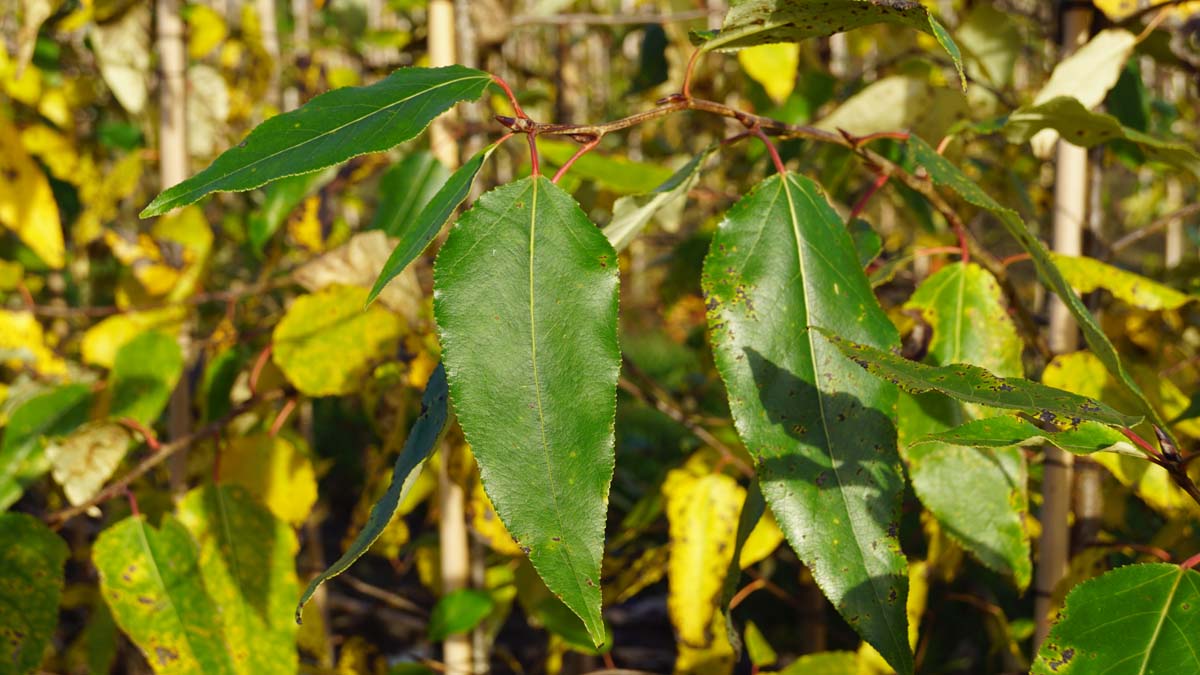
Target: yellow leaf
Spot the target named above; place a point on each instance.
(21, 85)
(631, 577)
(11, 274)
(27, 205)
(55, 107)
(188, 229)
(54, 149)
(83, 461)
(122, 49)
(773, 66)
(22, 341)
(206, 30)
(357, 263)
(102, 341)
(869, 660)
(305, 227)
(1119, 10)
(327, 343)
(711, 659)
(275, 471)
(207, 114)
(762, 542)
(142, 255)
(101, 194)
(487, 524)
(702, 513)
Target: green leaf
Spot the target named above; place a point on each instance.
(31, 581)
(1087, 274)
(281, 199)
(759, 22)
(1136, 619)
(22, 456)
(216, 387)
(144, 372)
(458, 613)
(330, 129)
(151, 581)
(979, 497)
(973, 384)
(942, 172)
(247, 562)
(326, 343)
(824, 663)
(615, 173)
(820, 430)
(1082, 127)
(1009, 430)
(525, 295)
(867, 243)
(405, 189)
(421, 439)
(632, 213)
(416, 235)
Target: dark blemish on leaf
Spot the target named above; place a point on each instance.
(822, 478)
(892, 595)
(165, 655)
(893, 529)
(1004, 387)
(144, 600)
(526, 550)
(555, 538)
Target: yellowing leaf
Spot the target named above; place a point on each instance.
(702, 512)
(631, 577)
(102, 192)
(488, 525)
(305, 227)
(83, 461)
(711, 659)
(22, 341)
(206, 30)
(327, 343)
(1119, 10)
(1087, 274)
(773, 66)
(102, 341)
(899, 102)
(122, 49)
(869, 660)
(188, 229)
(275, 471)
(54, 149)
(357, 263)
(27, 205)
(142, 255)
(22, 85)
(207, 114)
(762, 542)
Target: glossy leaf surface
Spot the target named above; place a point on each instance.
(330, 129)
(150, 579)
(757, 22)
(943, 172)
(979, 497)
(22, 457)
(247, 563)
(416, 233)
(973, 384)
(526, 304)
(821, 433)
(421, 439)
(1010, 430)
(1134, 620)
(31, 581)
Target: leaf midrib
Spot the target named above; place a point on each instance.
(145, 541)
(1162, 618)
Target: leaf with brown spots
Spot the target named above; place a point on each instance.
(31, 581)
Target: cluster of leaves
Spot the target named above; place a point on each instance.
(788, 334)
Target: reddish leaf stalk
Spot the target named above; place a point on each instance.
(1190, 562)
(535, 170)
(687, 75)
(1142, 443)
(775, 159)
(282, 417)
(137, 427)
(583, 150)
(256, 371)
(880, 181)
(133, 505)
(512, 98)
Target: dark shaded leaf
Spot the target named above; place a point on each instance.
(31, 581)
(22, 459)
(405, 189)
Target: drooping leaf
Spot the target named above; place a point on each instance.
(526, 305)
(83, 460)
(1087, 274)
(31, 581)
(1009, 430)
(421, 439)
(820, 430)
(330, 129)
(1133, 620)
(972, 384)
(144, 373)
(22, 457)
(758, 22)
(275, 470)
(152, 583)
(405, 189)
(458, 613)
(416, 233)
(943, 172)
(979, 497)
(327, 343)
(247, 563)
(280, 199)
(632, 213)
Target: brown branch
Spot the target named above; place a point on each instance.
(610, 20)
(1141, 233)
(119, 486)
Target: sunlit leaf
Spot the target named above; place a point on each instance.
(101, 189)
(611, 172)
(83, 461)
(1088, 274)
(824, 663)
(526, 304)
(104, 340)
(327, 343)
(206, 30)
(357, 263)
(27, 206)
(418, 445)
(31, 581)
(122, 52)
(899, 102)
(330, 129)
(206, 115)
(50, 415)
(1135, 619)
(774, 66)
(143, 375)
(632, 213)
(1010, 430)
(819, 428)
(23, 343)
(274, 470)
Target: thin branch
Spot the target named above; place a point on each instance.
(393, 599)
(610, 20)
(1141, 233)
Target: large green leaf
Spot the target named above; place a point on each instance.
(416, 233)
(758, 22)
(31, 581)
(144, 373)
(330, 129)
(247, 563)
(943, 172)
(151, 581)
(972, 384)
(406, 188)
(820, 430)
(526, 304)
(22, 458)
(979, 497)
(1134, 620)
(632, 213)
(418, 445)
(1009, 430)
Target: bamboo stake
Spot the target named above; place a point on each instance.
(1070, 205)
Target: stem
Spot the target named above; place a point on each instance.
(1190, 562)
(147, 434)
(512, 98)
(861, 204)
(687, 75)
(746, 591)
(1142, 443)
(282, 417)
(775, 159)
(584, 149)
(535, 169)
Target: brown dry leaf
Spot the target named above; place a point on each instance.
(82, 462)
